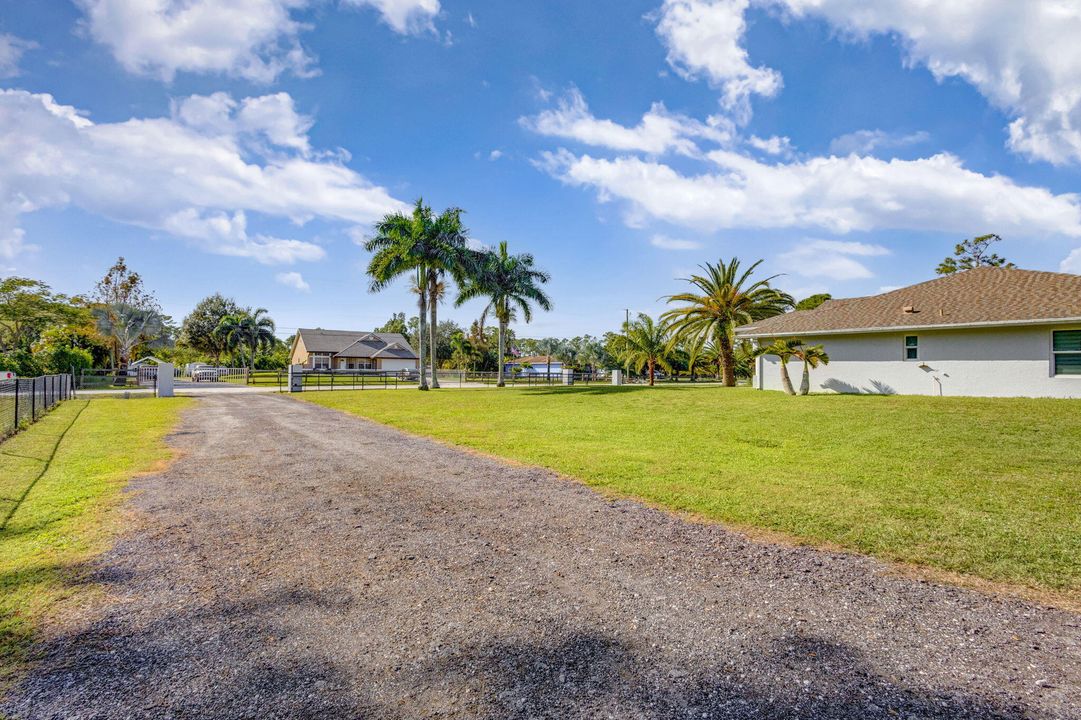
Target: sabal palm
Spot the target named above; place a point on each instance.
(812, 356)
(785, 349)
(509, 282)
(724, 298)
(248, 329)
(418, 243)
(644, 343)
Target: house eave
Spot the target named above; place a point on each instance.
(751, 332)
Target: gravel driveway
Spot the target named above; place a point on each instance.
(299, 563)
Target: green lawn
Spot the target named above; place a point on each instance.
(986, 487)
(58, 480)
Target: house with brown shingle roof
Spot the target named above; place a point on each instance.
(318, 349)
(982, 332)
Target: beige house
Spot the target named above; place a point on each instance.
(320, 349)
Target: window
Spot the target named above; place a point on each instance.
(1066, 352)
(912, 347)
(320, 362)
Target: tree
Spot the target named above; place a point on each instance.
(549, 347)
(812, 356)
(785, 349)
(396, 324)
(249, 329)
(123, 286)
(810, 303)
(200, 328)
(509, 282)
(27, 308)
(122, 290)
(725, 299)
(128, 326)
(463, 354)
(417, 244)
(973, 253)
(644, 343)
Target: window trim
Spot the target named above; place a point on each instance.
(1052, 353)
(905, 347)
(315, 358)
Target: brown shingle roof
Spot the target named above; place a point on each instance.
(982, 296)
(353, 343)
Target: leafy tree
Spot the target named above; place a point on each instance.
(644, 343)
(396, 324)
(252, 330)
(27, 308)
(462, 354)
(812, 356)
(123, 286)
(21, 362)
(417, 244)
(200, 328)
(724, 298)
(973, 253)
(129, 326)
(785, 349)
(810, 303)
(509, 282)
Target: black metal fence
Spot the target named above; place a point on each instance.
(25, 400)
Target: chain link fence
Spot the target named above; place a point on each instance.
(25, 400)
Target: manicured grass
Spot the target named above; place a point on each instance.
(58, 480)
(988, 487)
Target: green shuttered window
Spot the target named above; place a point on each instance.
(1066, 349)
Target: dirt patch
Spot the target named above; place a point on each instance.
(298, 562)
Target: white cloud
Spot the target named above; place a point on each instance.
(405, 16)
(253, 39)
(704, 38)
(495, 155)
(1022, 55)
(839, 194)
(294, 280)
(772, 145)
(658, 132)
(834, 259)
(197, 175)
(470, 20)
(1072, 263)
(865, 142)
(667, 243)
(888, 288)
(11, 53)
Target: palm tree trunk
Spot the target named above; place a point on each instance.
(728, 360)
(786, 382)
(651, 373)
(805, 383)
(499, 372)
(423, 310)
(433, 330)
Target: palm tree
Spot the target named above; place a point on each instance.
(462, 351)
(128, 326)
(249, 329)
(644, 343)
(695, 351)
(812, 356)
(785, 349)
(509, 282)
(420, 244)
(724, 299)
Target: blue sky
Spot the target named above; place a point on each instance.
(245, 147)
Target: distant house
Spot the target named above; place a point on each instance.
(320, 349)
(534, 365)
(981, 332)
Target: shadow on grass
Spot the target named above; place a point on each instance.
(616, 389)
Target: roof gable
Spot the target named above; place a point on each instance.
(981, 296)
(349, 343)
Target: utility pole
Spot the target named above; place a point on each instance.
(628, 319)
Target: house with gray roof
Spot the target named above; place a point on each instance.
(319, 349)
(983, 332)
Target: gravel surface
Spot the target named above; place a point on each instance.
(299, 563)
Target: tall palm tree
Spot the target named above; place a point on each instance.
(812, 356)
(128, 326)
(644, 343)
(249, 329)
(417, 244)
(462, 351)
(509, 282)
(785, 349)
(723, 299)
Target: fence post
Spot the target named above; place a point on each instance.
(16, 402)
(33, 399)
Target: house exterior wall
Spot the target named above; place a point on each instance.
(1000, 362)
(396, 364)
(300, 354)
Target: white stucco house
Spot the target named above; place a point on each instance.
(991, 332)
(318, 349)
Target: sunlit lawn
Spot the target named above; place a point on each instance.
(988, 487)
(53, 522)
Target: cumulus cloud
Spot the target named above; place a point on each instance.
(657, 133)
(866, 142)
(668, 243)
(253, 39)
(11, 53)
(834, 259)
(294, 280)
(197, 175)
(838, 194)
(773, 145)
(704, 39)
(1072, 263)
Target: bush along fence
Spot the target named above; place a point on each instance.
(26, 400)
